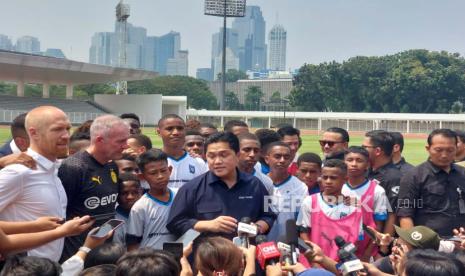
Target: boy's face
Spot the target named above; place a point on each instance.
(249, 153)
(309, 173)
(127, 166)
(157, 174)
(221, 159)
(172, 132)
(279, 159)
(129, 194)
(194, 144)
(332, 180)
(293, 142)
(357, 164)
(134, 149)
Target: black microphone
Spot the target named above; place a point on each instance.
(292, 238)
(346, 253)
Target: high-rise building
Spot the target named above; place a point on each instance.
(28, 44)
(52, 52)
(232, 62)
(251, 39)
(217, 48)
(150, 53)
(179, 65)
(103, 49)
(5, 43)
(277, 44)
(168, 47)
(204, 74)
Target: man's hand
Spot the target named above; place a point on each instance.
(46, 223)
(92, 242)
(18, 158)
(76, 226)
(274, 270)
(223, 224)
(316, 255)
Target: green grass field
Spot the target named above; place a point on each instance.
(414, 149)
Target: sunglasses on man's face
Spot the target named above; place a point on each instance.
(329, 143)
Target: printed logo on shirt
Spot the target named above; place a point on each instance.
(94, 202)
(114, 178)
(191, 169)
(96, 179)
(245, 197)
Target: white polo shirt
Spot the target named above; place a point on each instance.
(26, 195)
(184, 169)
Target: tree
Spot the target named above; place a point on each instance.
(275, 97)
(457, 107)
(253, 98)
(198, 94)
(233, 75)
(231, 101)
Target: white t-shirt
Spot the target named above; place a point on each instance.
(286, 200)
(266, 180)
(380, 203)
(332, 211)
(148, 219)
(184, 169)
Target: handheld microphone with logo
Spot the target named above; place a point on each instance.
(245, 231)
(267, 253)
(286, 252)
(350, 264)
(292, 238)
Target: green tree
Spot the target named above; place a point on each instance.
(198, 94)
(231, 101)
(233, 75)
(457, 107)
(275, 97)
(253, 98)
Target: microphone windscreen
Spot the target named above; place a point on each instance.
(340, 242)
(291, 232)
(260, 239)
(246, 220)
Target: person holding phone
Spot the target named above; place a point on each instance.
(149, 215)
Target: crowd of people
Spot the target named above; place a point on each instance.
(104, 201)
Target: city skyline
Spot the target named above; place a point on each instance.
(318, 30)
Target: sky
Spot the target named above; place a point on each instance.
(317, 30)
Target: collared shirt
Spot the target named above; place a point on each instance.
(207, 197)
(338, 155)
(13, 147)
(403, 166)
(429, 196)
(388, 177)
(26, 195)
(184, 169)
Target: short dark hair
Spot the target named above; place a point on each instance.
(431, 262)
(207, 125)
(170, 116)
(223, 136)
(336, 163)
(460, 135)
(148, 261)
(128, 157)
(444, 132)
(18, 127)
(130, 116)
(142, 140)
(232, 123)
(77, 136)
(344, 134)
(309, 157)
(193, 132)
(100, 270)
(381, 139)
(31, 266)
(128, 177)
(276, 144)
(398, 139)
(107, 253)
(248, 136)
(358, 150)
(267, 136)
(289, 131)
(152, 155)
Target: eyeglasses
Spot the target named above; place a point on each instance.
(329, 143)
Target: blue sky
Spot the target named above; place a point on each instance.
(318, 30)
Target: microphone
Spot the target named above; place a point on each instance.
(286, 252)
(292, 238)
(350, 264)
(245, 230)
(267, 253)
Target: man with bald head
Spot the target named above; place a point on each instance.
(90, 177)
(27, 194)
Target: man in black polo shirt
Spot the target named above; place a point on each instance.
(397, 158)
(215, 201)
(90, 177)
(379, 144)
(334, 142)
(432, 194)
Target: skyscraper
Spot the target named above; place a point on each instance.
(103, 49)
(168, 47)
(28, 44)
(251, 39)
(277, 44)
(5, 43)
(232, 62)
(179, 65)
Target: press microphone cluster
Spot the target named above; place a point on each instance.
(350, 264)
(267, 253)
(245, 231)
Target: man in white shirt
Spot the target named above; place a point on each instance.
(27, 194)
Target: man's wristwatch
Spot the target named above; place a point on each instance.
(85, 249)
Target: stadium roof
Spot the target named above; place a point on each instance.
(15, 66)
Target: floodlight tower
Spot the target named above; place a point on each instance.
(122, 14)
(224, 8)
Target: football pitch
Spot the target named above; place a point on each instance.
(414, 149)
